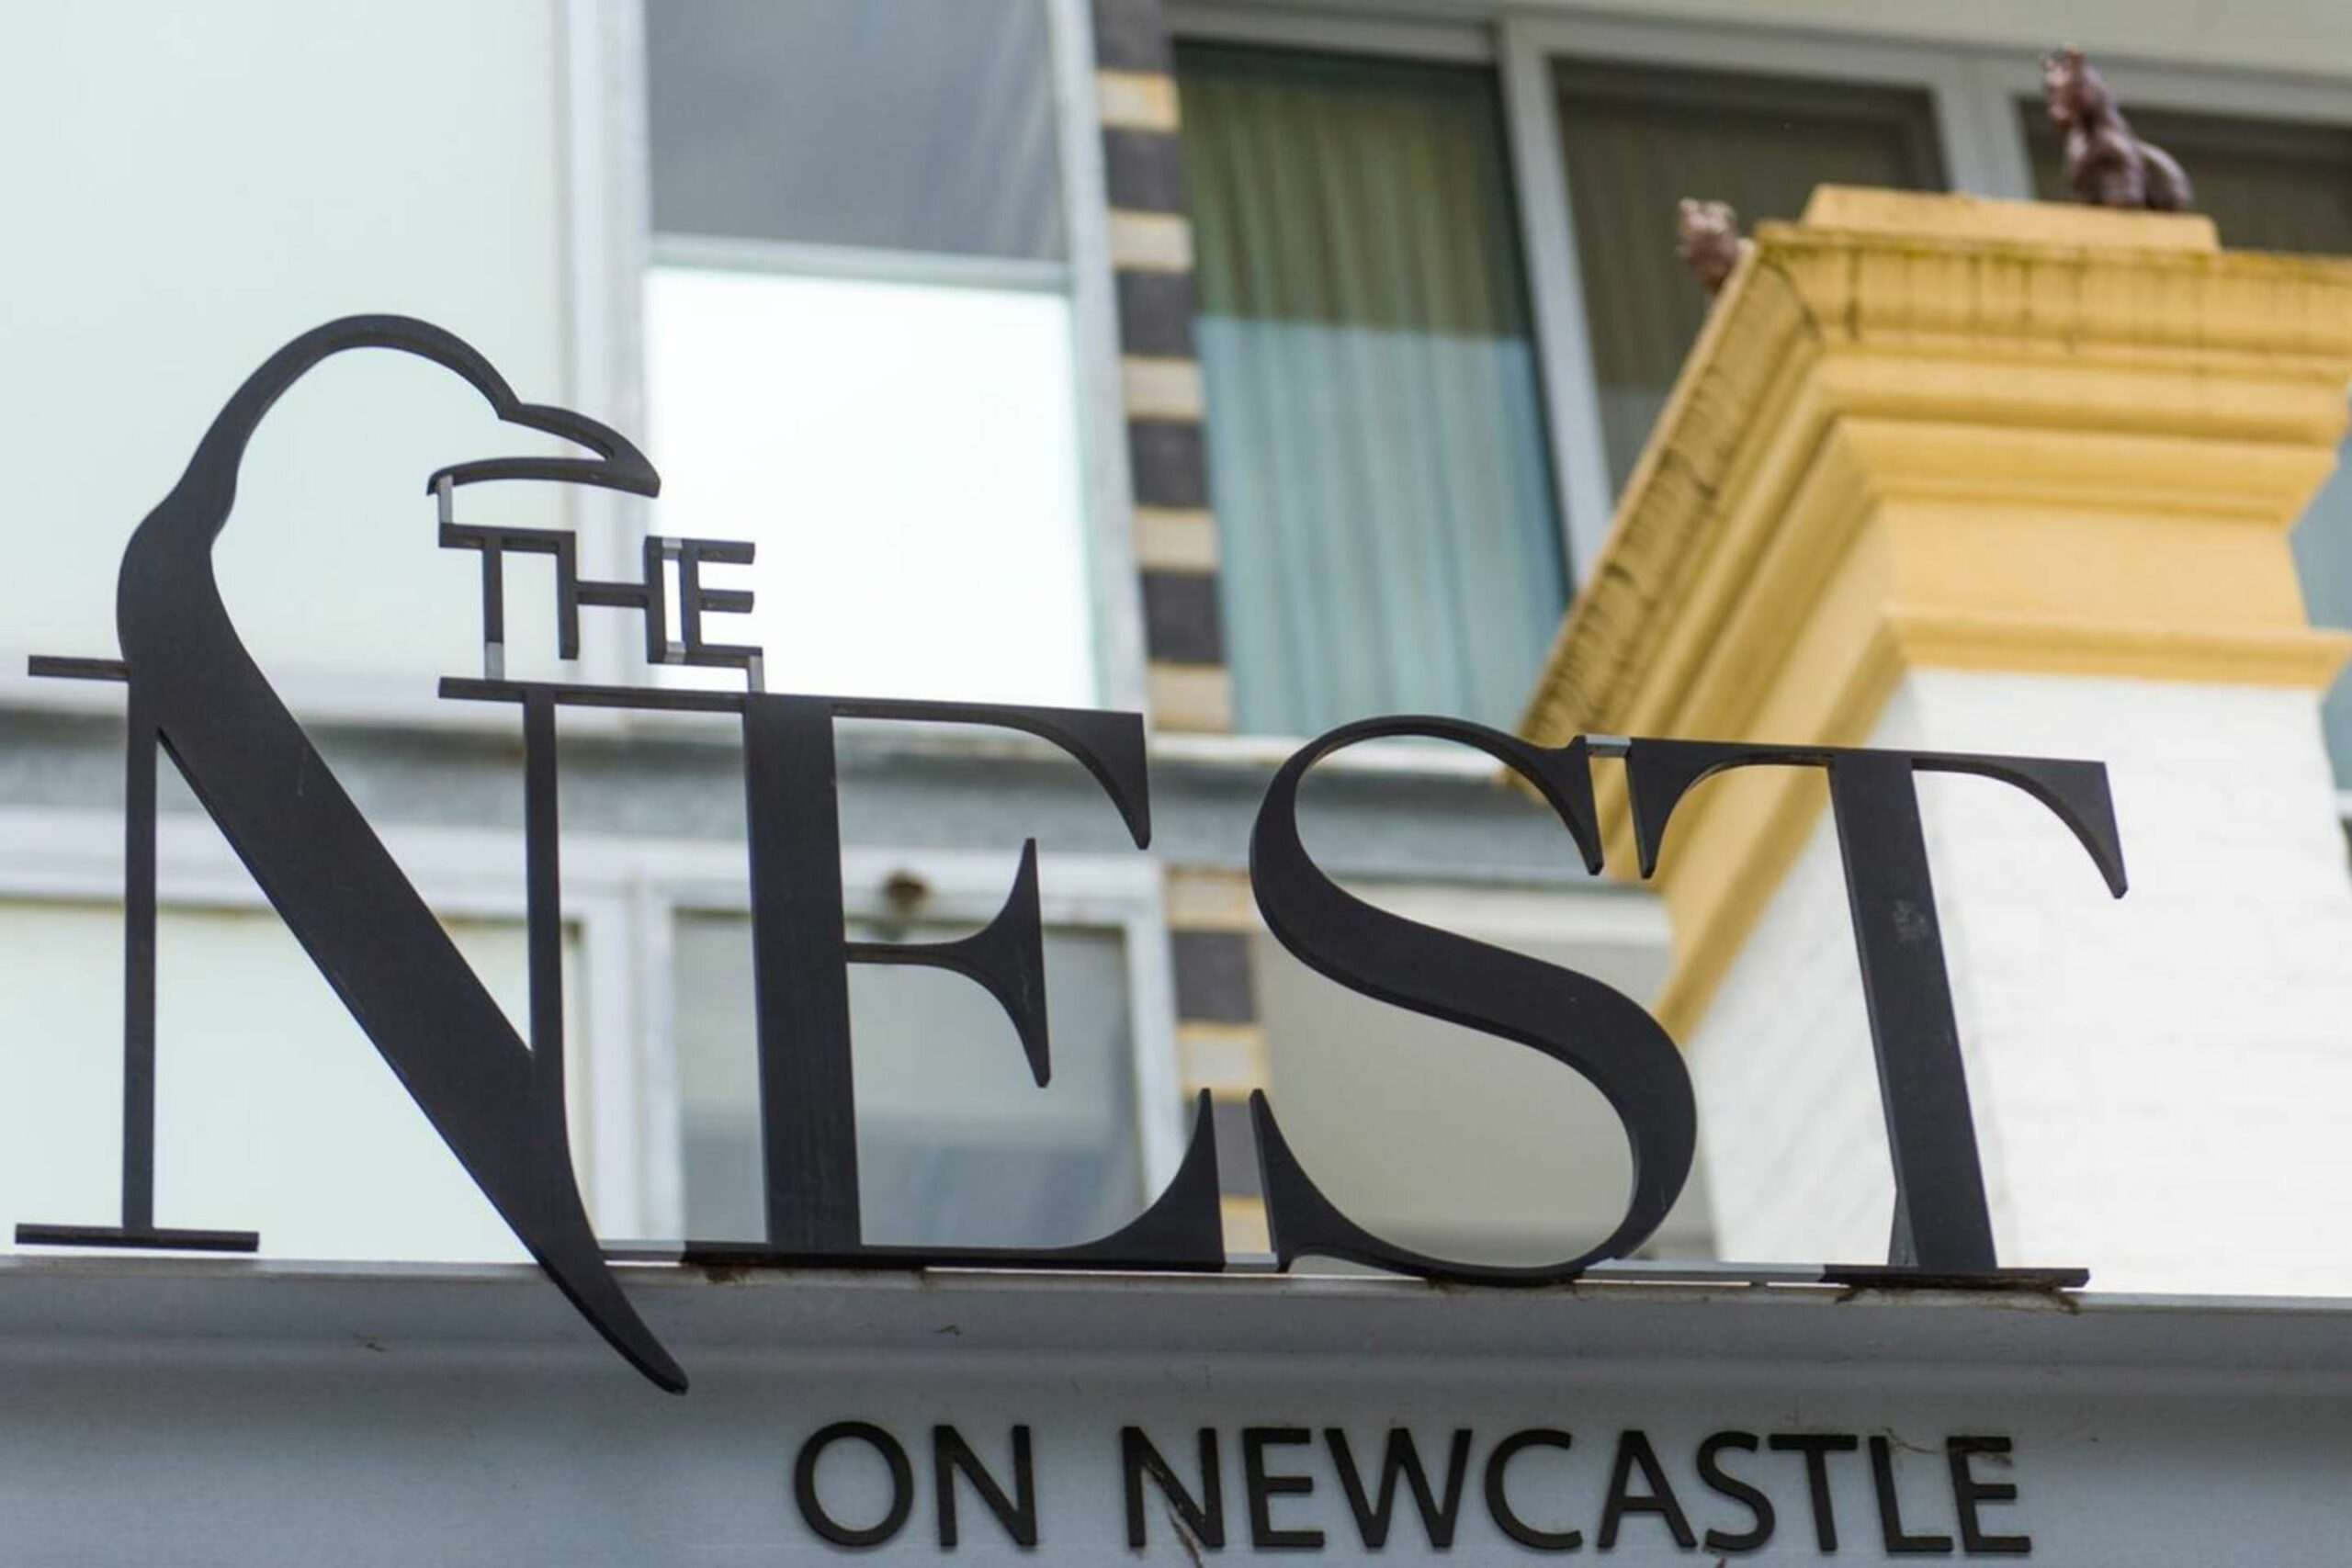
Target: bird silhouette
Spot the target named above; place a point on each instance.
(197, 690)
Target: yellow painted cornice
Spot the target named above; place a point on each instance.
(1941, 432)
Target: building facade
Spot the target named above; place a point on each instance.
(1253, 366)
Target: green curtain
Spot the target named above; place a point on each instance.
(1375, 441)
(1636, 141)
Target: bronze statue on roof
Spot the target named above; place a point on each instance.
(1706, 236)
(2106, 165)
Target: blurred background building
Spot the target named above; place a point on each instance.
(1258, 366)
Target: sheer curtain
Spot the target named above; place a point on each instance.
(1376, 435)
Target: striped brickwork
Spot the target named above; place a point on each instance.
(1220, 1047)
(1211, 920)
(1160, 379)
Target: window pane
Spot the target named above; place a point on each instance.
(1636, 142)
(1515, 1161)
(956, 1145)
(923, 124)
(1375, 432)
(2268, 185)
(906, 458)
(274, 1112)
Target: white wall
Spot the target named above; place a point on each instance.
(2298, 36)
(274, 1112)
(191, 184)
(2162, 1084)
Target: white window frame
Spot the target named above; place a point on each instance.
(1120, 894)
(621, 897)
(1529, 44)
(613, 244)
(58, 856)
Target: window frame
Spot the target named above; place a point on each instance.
(612, 245)
(621, 896)
(1121, 894)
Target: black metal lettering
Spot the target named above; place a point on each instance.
(1497, 1485)
(1817, 1447)
(1264, 1488)
(1941, 1227)
(1402, 1459)
(1752, 1498)
(813, 1507)
(194, 690)
(951, 1456)
(800, 959)
(1201, 1522)
(1899, 1542)
(1568, 1017)
(1634, 1452)
(1968, 1493)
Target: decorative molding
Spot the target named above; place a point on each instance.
(1941, 432)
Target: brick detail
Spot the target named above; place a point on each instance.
(1192, 699)
(1130, 34)
(1169, 462)
(1211, 898)
(1151, 241)
(1245, 1231)
(1227, 1059)
(1182, 622)
(1213, 983)
(1156, 313)
(1159, 389)
(1136, 100)
(1139, 109)
(1143, 171)
(1175, 540)
(1237, 1174)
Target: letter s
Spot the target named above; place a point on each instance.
(1571, 1018)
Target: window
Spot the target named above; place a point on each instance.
(1450, 1141)
(1379, 445)
(419, 174)
(859, 345)
(1388, 537)
(956, 1145)
(274, 1113)
(1635, 141)
(2267, 184)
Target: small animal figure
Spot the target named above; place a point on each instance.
(2106, 165)
(1706, 236)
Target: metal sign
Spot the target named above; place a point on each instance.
(498, 1101)
(289, 1414)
